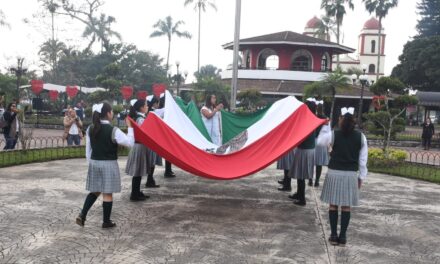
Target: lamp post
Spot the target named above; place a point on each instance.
(234, 82)
(18, 71)
(364, 81)
(178, 78)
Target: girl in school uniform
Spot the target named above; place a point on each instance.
(347, 169)
(102, 140)
(303, 162)
(154, 159)
(321, 152)
(285, 163)
(137, 162)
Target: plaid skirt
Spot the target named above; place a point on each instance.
(138, 161)
(103, 176)
(341, 188)
(303, 164)
(321, 156)
(285, 162)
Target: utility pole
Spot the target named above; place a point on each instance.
(235, 59)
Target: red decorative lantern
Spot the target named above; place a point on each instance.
(378, 101)
(127, 92)
(71, 91)
(37, 86)
(141, 95)
(159, 88)
(53, 95)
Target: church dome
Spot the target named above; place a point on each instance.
(372, 24)
(313, 23)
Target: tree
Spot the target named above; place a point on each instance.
(336, 9)
(111, 79)
(210, 86)
(419, 64)
(388, 119)
(3, 22)
(49, 53)
(168, 28)
(200, 5)
(250, 99)
(207, 72)
(102, 31)
(381, 8)
(326, 27)
(429, 24)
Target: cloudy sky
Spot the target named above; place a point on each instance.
(135, 19)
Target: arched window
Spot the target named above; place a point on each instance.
(263, 59)
(325, 62)
(302, 60)
(373, 46)
(372, 68)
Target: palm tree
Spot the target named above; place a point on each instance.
(50, 51)
(326, 28)
(52, 7)
(3, 22)
(336, 9)
(167, 28)
(200, 5)
(333, 81)
(381, 8)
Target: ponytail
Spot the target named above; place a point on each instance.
(97, 117)
(347, 124)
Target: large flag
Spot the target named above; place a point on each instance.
(282, 127)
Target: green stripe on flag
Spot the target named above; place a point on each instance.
(194, 115)
(234, 124)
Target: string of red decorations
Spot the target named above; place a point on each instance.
(37, 86)
(127, 92)
(53, 95)
(141, 95)
(71, 91)
(159, 88)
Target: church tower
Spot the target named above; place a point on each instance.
(368, 48)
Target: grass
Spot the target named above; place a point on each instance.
(408, 170)
(18, 157)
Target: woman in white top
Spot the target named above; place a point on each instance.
(211, 117)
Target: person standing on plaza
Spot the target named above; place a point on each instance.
(211, 117)
(138, 158)
(153, 158)
(304, 162)
(72, 128)
(79, 109)
(102, 140)
(12, 127)
(427, 133)
(321, 152)
(347, 169)
(285, 163)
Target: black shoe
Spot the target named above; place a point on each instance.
(108, 225)
(137, 198)
(151, 185)
(342, 241)
(293, 196)
(281, 181)
(300, 203)
(169, 174)
(334, 240)
(143, 195)
(80, 220)
(316, 184)
(285, 189)
(310, 182)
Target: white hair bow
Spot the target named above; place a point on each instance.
(149, 98)
(311, 99)
(349, 110)
(319, 102)
(133, 101)
(97, 107)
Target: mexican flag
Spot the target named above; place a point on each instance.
(251, 143)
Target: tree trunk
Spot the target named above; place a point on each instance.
(379, 52)
(198, 48)
(333, 103)
(168, 56)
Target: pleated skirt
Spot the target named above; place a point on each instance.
(138, 161)
(153, 158)
(286, 161)
(103, 176)
(303, 164)
(321, 156)
(341, 188)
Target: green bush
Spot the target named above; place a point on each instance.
(393, 155)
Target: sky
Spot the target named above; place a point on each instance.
(135, 20)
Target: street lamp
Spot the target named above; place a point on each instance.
(18, 71)
(364, 81)
(178, 78)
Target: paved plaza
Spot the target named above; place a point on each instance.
(195, 220)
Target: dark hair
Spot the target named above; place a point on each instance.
(136, 108)
(162, 102)
(96, 117)
(311, 106)
(151, 103)
(208, 101)
(347, 124)
(10, 106)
